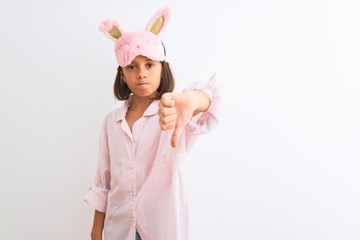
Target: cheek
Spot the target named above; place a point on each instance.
(129, 77)
(158, 77)
(158, 73)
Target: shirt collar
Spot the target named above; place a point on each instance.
(121, 112)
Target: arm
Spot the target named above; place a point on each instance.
(98, 192)
(98, 225)
(177, 109)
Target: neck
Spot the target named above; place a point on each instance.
(139, 104)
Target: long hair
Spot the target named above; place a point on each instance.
(167, 83)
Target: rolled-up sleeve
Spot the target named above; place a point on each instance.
(98, 192)
(204, 122)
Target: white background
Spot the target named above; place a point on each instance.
(284, 162)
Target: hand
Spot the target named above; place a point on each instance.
(175, 111)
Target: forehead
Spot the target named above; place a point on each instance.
(140, 59)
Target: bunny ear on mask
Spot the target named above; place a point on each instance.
(112, 29)
(159, 21)
(129, 45)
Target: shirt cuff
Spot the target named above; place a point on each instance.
(97, 197)
(206, 121)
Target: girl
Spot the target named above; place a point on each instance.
(139, 190)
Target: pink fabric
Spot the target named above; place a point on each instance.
(139, 181)
(133, 44)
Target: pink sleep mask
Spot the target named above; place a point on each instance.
(147, 43)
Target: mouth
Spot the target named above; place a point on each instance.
(143, 85)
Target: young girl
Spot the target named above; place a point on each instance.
(139, 190)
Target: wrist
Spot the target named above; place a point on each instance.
(192, 97)
(199, 101)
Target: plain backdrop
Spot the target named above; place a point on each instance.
(284, 161)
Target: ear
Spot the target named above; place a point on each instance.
(159, 21)
(112, 29)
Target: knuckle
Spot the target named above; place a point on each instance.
(163, 111)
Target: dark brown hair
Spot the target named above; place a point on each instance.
(167, 83)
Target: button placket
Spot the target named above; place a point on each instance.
(136, 133)
(133, 181)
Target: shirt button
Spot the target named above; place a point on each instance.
(132, 193)
(132, 219)
(130, 166)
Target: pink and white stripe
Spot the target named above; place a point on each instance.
(139, 181)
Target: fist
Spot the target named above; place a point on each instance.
(167, 111)
(175, 111)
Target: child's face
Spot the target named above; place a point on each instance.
(143, 76)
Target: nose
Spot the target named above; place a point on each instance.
(141, 75)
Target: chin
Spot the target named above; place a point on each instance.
(147, 95)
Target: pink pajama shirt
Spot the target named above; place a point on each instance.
(139, 181)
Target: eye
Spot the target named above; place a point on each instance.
(130, 67)
(150, 65)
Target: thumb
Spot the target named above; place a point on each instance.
(179, 127)
(167, 99)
